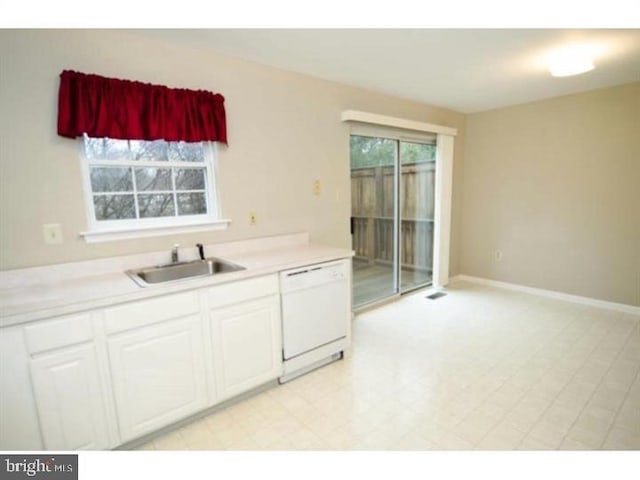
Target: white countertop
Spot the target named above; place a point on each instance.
(24, 301)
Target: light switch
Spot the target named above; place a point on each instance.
(316, 187)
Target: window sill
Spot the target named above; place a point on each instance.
(98, 236)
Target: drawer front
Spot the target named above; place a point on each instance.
(146, 312)
(59, 332)
(228, 294)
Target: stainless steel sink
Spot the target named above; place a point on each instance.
(173, 272)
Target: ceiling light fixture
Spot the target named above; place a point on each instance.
(571, 60)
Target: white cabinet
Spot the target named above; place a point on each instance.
(19, 427)
(68, 375)
(70, 399)
(99, 379)
(247, 343)
(158, 374)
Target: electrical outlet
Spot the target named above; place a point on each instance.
(253, 218)
(52, 233)
(498, 255)
(316, 187)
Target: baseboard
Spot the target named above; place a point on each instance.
(592, 302)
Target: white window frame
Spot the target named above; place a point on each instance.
(110, 230)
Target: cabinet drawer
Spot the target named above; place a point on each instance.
(60, 332)
(147, 312)
(235, 292)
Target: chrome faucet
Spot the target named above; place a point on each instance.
(174, 253)
(200, 251)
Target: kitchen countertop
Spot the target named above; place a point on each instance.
(26, 301)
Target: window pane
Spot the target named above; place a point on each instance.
(111, 179)
(155, 150)
(106, 149)
(186, 152)
(417, 152)
(116, 149)
(153, 179)
(192, 204)
(114, 207)
(190, 179)
(160, 205)
(372, 152)
(94, 148)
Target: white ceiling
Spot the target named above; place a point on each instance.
(467, 70)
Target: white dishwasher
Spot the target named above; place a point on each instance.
(315, 316)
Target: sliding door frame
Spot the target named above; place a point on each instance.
(442, 213)
(374, 125)
(398, 138)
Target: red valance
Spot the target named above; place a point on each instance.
(125, 109)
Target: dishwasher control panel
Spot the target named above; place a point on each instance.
(312, 275)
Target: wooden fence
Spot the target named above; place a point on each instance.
(372, 203)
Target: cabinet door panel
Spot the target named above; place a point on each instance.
(247, 345)
(158, 375)
(19, 423)
(69, 398)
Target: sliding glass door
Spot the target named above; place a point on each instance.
(392, 197)
(373, 219)
(417, 198)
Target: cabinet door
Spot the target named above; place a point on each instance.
(19, 424)
(70, 400)
(158, 375)
(247, 345)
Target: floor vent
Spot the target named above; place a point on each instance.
(435, 296)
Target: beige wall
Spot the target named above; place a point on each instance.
(555, 185)
(284, 132)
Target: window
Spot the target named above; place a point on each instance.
(149, 186)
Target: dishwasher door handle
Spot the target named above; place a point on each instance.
(293, 274)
